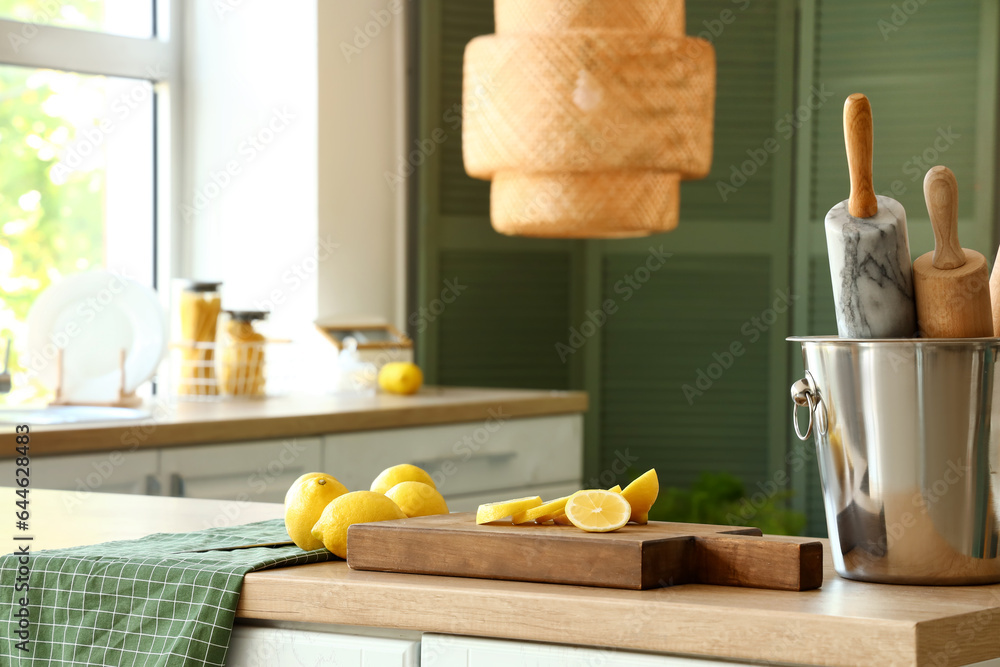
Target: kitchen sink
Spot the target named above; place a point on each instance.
(69, 414)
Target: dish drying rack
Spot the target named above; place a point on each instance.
(126, 399)
(198, 373)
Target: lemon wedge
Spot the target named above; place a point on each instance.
(641, 494)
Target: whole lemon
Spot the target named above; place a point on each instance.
(404, 472)
(417, 499)
(400, 377)
(308, 475)
(349, 509)
(305, 505)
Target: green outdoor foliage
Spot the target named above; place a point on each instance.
(720, 498)
(51, 220)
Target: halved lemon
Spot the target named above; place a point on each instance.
(543, 512)
(641, 494)
(598, 511)
(561, 511)
(495, 511)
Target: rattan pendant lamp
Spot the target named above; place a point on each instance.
(586, 115)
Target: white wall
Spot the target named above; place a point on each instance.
(307, 214)
(249, 195)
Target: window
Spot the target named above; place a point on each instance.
(84, 122)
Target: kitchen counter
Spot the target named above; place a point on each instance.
(176, 422)
(843, 623)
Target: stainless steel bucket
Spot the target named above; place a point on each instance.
(908, 441)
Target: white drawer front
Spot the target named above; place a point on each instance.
(270, 647)
(453, 651)
(103, 472)
(465, 458)
(245, 472)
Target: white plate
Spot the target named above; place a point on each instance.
(92, 317)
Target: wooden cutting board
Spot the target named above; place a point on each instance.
(636, 557)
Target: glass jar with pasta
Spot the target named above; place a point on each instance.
(242, 359)
(198, 312)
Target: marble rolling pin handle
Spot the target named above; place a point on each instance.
(951, 283)
(859, 136)
(870, 264)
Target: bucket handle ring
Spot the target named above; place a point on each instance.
(806, 394)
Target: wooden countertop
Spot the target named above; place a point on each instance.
(176, 422)
(843, 623)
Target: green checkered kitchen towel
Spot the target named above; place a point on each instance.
(139, 602)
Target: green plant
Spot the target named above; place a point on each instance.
(720, 498)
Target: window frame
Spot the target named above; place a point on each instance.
(156, 59)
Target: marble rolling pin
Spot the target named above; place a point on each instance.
(951, 284)
(868, 247)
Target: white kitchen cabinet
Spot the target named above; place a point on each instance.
(455, 651)
(246, 472)
(277, 647)
(103, 472)
(470, 459)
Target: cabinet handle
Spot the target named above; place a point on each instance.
(176, 485)
(152, 485)
(492, 457)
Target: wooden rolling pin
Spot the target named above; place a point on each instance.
(995, 294)
(951, 283)
(867, 244)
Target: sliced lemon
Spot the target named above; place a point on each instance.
(495, 511)
(542, 513)
(641, 494)
(598, 511)
(562, 510)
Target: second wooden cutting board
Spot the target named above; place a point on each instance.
(635, 557)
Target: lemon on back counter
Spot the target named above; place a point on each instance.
(349, 509)
(404, 472)
(400, 377)
(417, 499)
(304, 504)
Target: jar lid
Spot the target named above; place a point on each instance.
(247, 315)
(201, 285)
